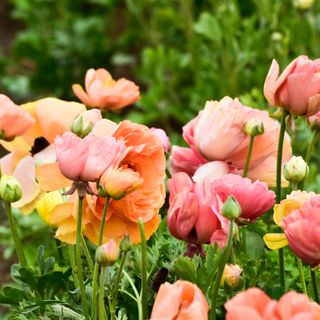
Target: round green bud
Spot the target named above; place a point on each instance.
(10, 189)
(254, 127)
(296, 169)
(231, 208)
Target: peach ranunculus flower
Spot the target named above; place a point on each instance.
(293, 201)
(178, 301)
(14, 121)
(217, 134)
(52, 117)
(104, 92)
(256, 305)
(297, 89)
(146, 158)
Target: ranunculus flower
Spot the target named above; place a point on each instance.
(194, 214)
(107, 254)
(163, 137)
(181, 300)
(254, 198)
(302, 229)
(293, 201)
(14, 121)
(256, 305)
(104, 92)
(231, 276)
(87, 159)
(297, 89)
(145, 156)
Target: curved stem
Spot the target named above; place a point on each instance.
(246, 168)
(79, 260)
(87, 254)
(144, 286)
(302, 280)
(310, 147)
(102, 310)
(223, 261)
(15, 236)
(314, 285)
(96, 266)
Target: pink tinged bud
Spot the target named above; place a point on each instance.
(163, 137)
(231, 276)
(107, 254)
(117, 183)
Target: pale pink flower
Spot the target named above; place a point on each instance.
(254, 197)
(104, 92)
(211, 171)
(297, 89)
(163, 137)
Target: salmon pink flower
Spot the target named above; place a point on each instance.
(297, 89)
(181, 300)
(163, 137)
(107, 254)
(194, 213)
(14, 121)
(104, 92)
(254, 198)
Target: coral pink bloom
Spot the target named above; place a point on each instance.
(163, 137)
(254, 197)
(298, 87)
(86, 159)
(104, 92)
(302, 229)
(14, 121)
(180, 301)
(194, 214)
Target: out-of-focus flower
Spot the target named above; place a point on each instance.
(87, 159)
(107, 254)
(146, 157)
(303, 4)
(254, 127)
(256, 305)
(314, 121)
(231, 276)
(10, 189)
(83, 123)
(194, 214)
(302, 229)
(181, 300)
(14, 121)
(296, 169)
(297, 89)
(254, 198)
(163, 137)
(104, 92)
(293, 201)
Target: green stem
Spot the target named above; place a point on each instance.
(310, 147)
(87, 254)
(223, 261)
(96, 266)
(314, 285)
(102, 310)
(302, 280)
(79, 260)
(246, 168)
(278, 187)
(15, 236)
(73, 264)
(144, 285)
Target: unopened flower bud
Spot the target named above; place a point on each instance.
(231, 276)
(231, 208)
(107, 254)
(83, 123)
(126, 245)
(254, 127)
(303, 4)
(296, 169)
(10, 189)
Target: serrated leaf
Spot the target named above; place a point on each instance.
(183, 267)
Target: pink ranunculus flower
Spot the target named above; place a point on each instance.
(104, 92)
(302, 229)
(86, 159)
(163, 137)
(194, 213)
(254, 197)
(297, 89)
(14, 121)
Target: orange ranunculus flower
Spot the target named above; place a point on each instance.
(104, 92)
(178, 301)
(146, 158)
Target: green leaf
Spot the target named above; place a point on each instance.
(254, 244)
(183, 267)
(208, 26)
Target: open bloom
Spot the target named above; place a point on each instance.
(297, 89)
(293, 201)
(254, 198)
(104, 92)
(181, 300)
(194, 213)
(302, 229)
(256, 305)
(14, 121)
